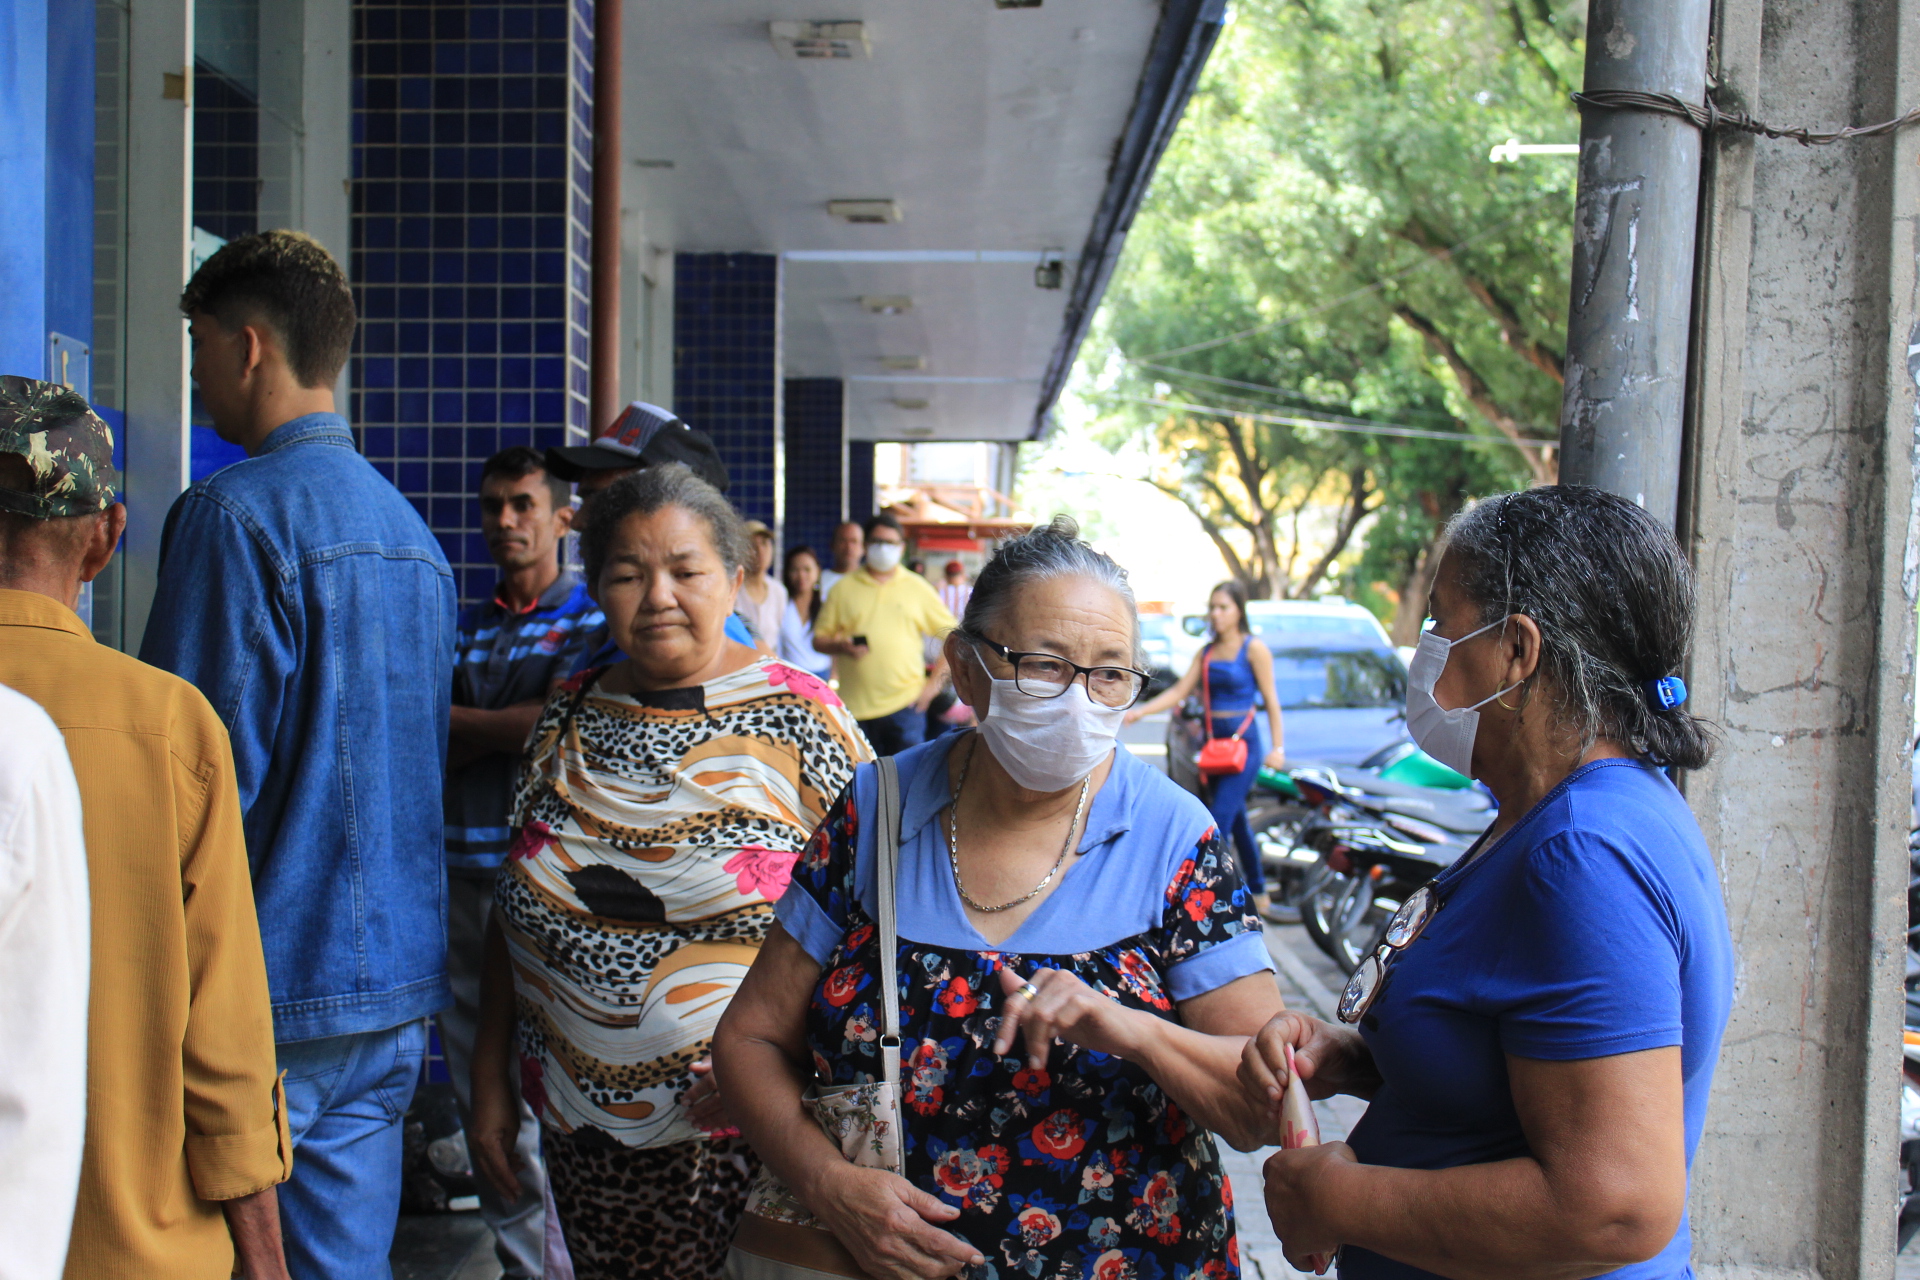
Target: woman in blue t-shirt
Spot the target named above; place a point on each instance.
(1536, 1036)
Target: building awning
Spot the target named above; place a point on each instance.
(925, 189)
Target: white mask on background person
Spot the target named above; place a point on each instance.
(882, 556)
(1445, 733)
(1047, 744)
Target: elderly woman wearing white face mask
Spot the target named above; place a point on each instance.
(1049, 886)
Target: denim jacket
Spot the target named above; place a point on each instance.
(310, 603)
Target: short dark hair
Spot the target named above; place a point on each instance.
(521, 461)
(648, 490)
(1612, 595)
(883, 520)
(288, 282)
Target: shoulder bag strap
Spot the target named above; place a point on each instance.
(886, 883)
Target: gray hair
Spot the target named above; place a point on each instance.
(648, 490)
(1051, 550)
(1613, 597)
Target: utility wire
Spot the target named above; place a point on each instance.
(1430, 260)
(1709, 117)
(1289, 392)
(1355, 426)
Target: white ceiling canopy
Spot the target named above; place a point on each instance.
(970, 154)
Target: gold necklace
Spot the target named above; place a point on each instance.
(953, 842)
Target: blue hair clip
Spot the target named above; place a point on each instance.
(1666, 693)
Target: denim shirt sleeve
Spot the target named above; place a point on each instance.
(219, 621)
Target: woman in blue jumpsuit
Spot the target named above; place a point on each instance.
(1238, 677)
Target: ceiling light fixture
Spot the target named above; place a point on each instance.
(653, 164)
(909, 402)
(1052, 270)
(903, 364)
(864, 211)
(895, 304)
(820, 41)
(1016, 4)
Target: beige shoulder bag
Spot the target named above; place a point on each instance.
(778, 1238)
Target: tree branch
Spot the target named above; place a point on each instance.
(1357, 510)
(1555, 81)
(1478, 394)
(1212, 529)
(1513, 331)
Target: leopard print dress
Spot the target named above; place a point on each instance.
(654, 831)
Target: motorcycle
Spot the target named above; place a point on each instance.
(1374, 840)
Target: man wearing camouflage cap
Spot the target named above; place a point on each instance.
(186, 1128)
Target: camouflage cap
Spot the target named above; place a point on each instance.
(68, 450)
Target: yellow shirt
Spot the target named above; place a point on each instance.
(183, 1108)
(894, 616)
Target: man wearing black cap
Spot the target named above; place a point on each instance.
(644, 435)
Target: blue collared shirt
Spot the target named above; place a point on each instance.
(1140, 829)
(313, 607)
(502, 657)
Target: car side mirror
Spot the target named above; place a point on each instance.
(1194, 625)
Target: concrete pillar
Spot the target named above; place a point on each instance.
(306, 119)
(816, 480)
(727, 363)
(157, 234)
(1799, 511)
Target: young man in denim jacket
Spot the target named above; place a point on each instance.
(311, 604)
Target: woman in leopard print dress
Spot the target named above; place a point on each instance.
(660, 809)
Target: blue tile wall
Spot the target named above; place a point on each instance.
(860, 480)
(726, 369)
(226, 201)
(226, 155)
(472, 167)
(815, 425)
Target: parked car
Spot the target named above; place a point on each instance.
(1342, 685)
(1169, 647)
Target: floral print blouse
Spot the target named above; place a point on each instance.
(1084, 1168)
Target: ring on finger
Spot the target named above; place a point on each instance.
(1030, 991)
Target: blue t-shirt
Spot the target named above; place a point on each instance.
(1595, 927)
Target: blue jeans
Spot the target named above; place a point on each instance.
(347, 1099)
(890, 735)
(1227, 799)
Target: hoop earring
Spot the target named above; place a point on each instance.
(1501, 701)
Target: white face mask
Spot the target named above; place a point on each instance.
(882, 556)
(1444, 733)
(1048, 744)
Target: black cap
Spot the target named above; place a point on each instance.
(644, 435)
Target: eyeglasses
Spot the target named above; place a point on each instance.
(1046, 675)
(1371, 976)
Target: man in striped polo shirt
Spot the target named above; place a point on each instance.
(510, 652)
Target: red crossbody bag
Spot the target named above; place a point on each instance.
(1219, 757)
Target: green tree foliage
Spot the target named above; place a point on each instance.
(1328, 206)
